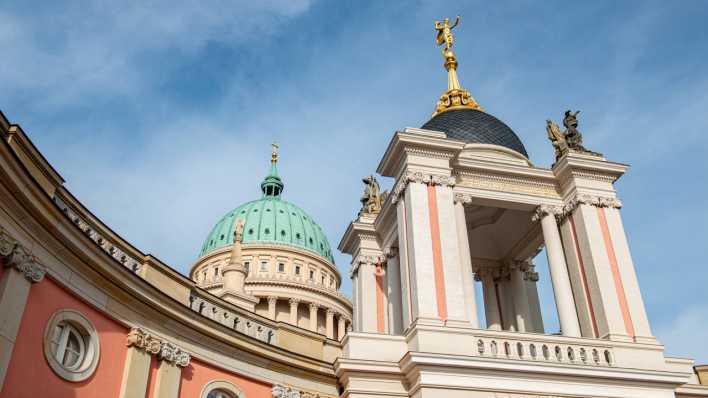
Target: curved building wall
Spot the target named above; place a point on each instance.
(151, 331)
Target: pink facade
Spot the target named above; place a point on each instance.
(29, 375)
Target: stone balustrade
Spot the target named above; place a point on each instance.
(92, 231)
(241, 322)
(543, 349)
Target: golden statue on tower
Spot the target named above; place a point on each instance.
(445, 32)
(455, 97)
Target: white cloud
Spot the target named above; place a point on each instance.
(72, 53)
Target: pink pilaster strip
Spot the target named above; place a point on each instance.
(380, 322)
(619, 288)
(584, 277)
(437, 253)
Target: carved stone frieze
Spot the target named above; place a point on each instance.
(165, 351)
(511, 184)
(17, 256)
(419, 177)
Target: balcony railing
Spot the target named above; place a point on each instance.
(543, 349)
(241, 322)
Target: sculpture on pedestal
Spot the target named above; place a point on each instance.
(570, 139)
(373, 198)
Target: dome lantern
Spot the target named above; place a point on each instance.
(272, 185)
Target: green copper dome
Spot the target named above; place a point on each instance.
(270, 220)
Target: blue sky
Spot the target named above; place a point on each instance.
(160, 116)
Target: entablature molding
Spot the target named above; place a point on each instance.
(509, 183)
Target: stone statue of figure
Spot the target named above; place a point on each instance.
(238, 231)
(572, 135)
(445, 32)
(570, 139)
(557, 138)
(373, 198)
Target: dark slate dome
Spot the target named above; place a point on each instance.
(477, 127)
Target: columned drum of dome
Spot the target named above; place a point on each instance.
(474, 126)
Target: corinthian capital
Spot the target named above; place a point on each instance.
(419, 177)
(545, 210)
(591, 200)
(462, 198)
(15, 255)
(166, 351)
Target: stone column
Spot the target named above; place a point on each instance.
(21, 271)
(506, 301)
(313, 317)
(562, 290)
(393, 283)
(521, 304)
(330, 324)
(491, 305)
(465, 258)
(272, 305)
(293, 311)
(531, 278)
(341, 327)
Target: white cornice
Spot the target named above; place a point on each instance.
(426, 143)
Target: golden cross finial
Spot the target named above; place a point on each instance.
(274, 153)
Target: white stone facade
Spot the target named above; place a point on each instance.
(463, 217)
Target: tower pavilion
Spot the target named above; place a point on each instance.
(468, 212)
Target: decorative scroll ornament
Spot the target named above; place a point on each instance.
(15, 255)
(165, 351)
(420, 178)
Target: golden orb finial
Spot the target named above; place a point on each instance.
(274, 153)
(455, 97)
